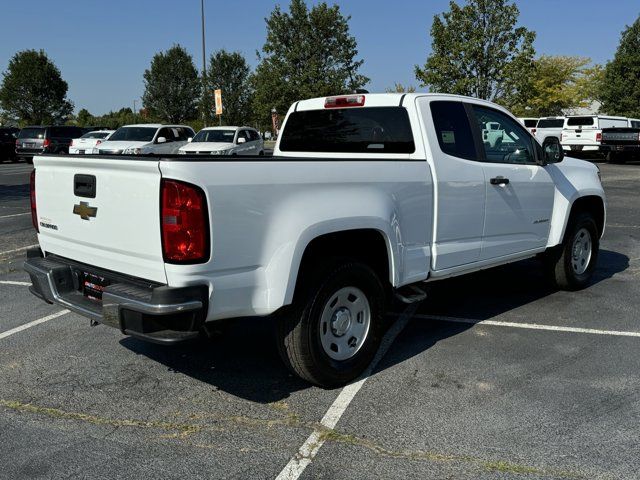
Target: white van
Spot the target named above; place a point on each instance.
(584, 132)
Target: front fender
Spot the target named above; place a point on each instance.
(573, 179)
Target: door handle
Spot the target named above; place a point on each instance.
(499, 181)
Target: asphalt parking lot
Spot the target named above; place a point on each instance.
(494, 376)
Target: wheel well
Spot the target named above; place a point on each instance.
(365, 245)
(591, 204)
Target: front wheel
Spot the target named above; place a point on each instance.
(333, 330)
(571, 266)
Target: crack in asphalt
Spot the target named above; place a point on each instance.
(182, 431)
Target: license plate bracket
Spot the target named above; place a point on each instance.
(93, 285)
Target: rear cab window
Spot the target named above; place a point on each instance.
(581, 122)
(349, 130)
(551, 123)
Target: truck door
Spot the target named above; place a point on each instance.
(459, 183)
(519, 191)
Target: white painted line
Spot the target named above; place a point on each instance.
(9, 282)
(8, 333)
(18, 249)
(310, 447)
(15, 215)
(528, 326)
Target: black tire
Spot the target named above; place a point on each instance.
(29, 160)
(560, 262)
(298, 327)
(261, 153)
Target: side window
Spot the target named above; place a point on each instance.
(453, 129)
(243, 134)
(505, 140)
(166, 133)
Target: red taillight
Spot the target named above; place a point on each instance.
(32, 191)
(184, 223)
(46, 143)
(348, 101)
(71, 144)
(533, 131)
(98, 142)
(17, 143)
(598, 137)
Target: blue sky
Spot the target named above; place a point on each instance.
(103, 47)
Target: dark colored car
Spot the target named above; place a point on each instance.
(621, 144)
(8, 143)
(45, 139)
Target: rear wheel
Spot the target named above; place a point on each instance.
(333, 330)
(571, 266)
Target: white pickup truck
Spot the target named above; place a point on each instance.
(366, 196)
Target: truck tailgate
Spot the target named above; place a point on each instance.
(117, 228)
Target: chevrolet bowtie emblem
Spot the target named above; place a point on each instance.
(85, 211)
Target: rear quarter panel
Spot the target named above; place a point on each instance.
(264, 213)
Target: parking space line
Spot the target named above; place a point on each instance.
(11, 282)
(18, 249)
(13, 331)
(314, 442)
(15, 215)
(528, 326)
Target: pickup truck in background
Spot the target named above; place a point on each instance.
(621, 144)
(367, 196)
(549, 127)
(584, 132)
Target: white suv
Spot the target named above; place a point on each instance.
(145, 139)
(225, 141)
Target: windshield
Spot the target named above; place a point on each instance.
(31, 133)
(580, 121)
(134, 134)
(95, 135)
(551, 123)
(225, 136)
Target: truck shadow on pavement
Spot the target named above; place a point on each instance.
(245, 363)
(14, 192)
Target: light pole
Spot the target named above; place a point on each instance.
(204, 69)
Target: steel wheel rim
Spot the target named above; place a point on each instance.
(345, 323)
(581, 251)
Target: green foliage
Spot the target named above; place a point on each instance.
(621, 86)
(230, 72)
(399, 88)
(558, 83)
(479, 51)
(307, 53)
(33, 91)
(172, 86)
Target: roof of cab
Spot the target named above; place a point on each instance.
(383, 100)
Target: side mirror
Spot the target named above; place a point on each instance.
(161, 140)
(552, 150)
(189, 139)
(242, 140)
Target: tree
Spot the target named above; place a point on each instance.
(172, 86)
(479, 51)
(400, 88)
(33, 90)
(307, 53)
(84, 118)
(621, 86)
(557, 83)
(230, 73)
